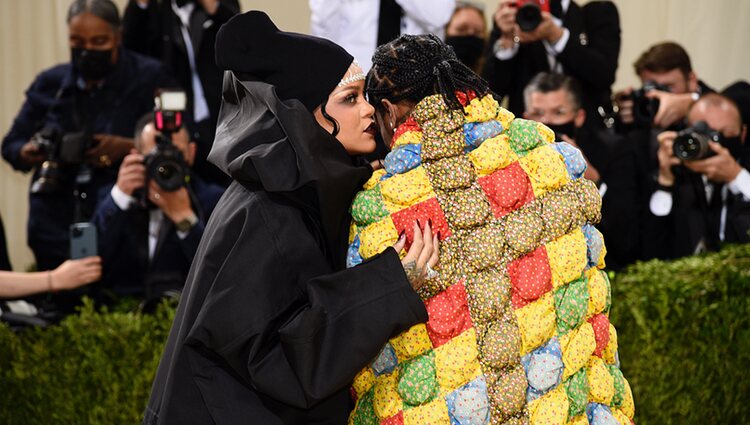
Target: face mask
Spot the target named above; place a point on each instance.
(568, 129)
(91, 65)
(468, 48)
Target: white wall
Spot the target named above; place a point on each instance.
(716, 34)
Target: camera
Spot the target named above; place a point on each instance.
(645, 108)
(529, 13)
(61, 150)
(692, 143)
(166, 165)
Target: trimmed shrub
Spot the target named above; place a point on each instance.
(685, 337)
(92, 368)
(684, 334)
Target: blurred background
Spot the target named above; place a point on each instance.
(33, 37)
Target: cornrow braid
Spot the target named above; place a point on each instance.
(413, 67)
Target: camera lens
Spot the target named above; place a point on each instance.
(691, 146)
(169, 175)
(528, 17)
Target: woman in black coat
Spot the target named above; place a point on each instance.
(271, 327)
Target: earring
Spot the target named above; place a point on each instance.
(393, 127)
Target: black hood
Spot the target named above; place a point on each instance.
(264, 142)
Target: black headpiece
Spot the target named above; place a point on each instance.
(301, 67)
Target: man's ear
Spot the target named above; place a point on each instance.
(390, 113)
(580, 118)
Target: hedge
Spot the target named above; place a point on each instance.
(684, 333)
(683, 327)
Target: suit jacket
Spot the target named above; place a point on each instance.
(590, 56)
(123, 245)
(156, 31)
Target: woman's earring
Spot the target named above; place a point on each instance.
(393, 127)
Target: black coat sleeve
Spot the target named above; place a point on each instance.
(595, 63)
(278, 316)
(140, 29)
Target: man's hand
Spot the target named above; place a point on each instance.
(546, 31)
(672, 107)
(721, 168)
(175, 205)
(505, 19)
(667, 160)
(108, 150)
(132, 173)
(30, 155)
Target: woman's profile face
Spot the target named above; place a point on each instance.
(355, 117)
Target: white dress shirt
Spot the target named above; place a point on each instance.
(353, 24)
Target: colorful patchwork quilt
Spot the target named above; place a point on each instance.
(518, 328)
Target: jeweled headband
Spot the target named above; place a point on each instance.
(354, 73)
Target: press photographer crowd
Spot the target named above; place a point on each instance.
(117, 137)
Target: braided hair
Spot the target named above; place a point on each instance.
(413, 67)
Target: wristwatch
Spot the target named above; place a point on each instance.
(186, 224)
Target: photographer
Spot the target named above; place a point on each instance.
(702, 201)
(82, 113)
(668, 77)
(555, 100)
(583, 42)
(149, 234)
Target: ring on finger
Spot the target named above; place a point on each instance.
(431, 273)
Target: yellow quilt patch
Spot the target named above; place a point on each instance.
(537, 322)
(492, 155)
(404, 190)
(376, 237)
(411, 343)
(387, 402)
(577, 346)
(457, 361)
(567, 257)
(546, 169)
(601, 383)
(551, 408)
(598, 292)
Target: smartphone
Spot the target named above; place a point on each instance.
(82, 240)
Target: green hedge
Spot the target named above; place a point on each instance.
(684, 333)
(93, 368)
(683, 327)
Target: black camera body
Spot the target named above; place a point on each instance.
(166, 165)
(645, 108)
(529, 13)
(691, 144)
(61, 149)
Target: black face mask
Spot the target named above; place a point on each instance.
(468, 48)
(569, 129)
(91, 65)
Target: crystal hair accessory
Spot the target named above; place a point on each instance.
(354, 73)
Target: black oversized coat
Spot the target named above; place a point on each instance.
(271, 328)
